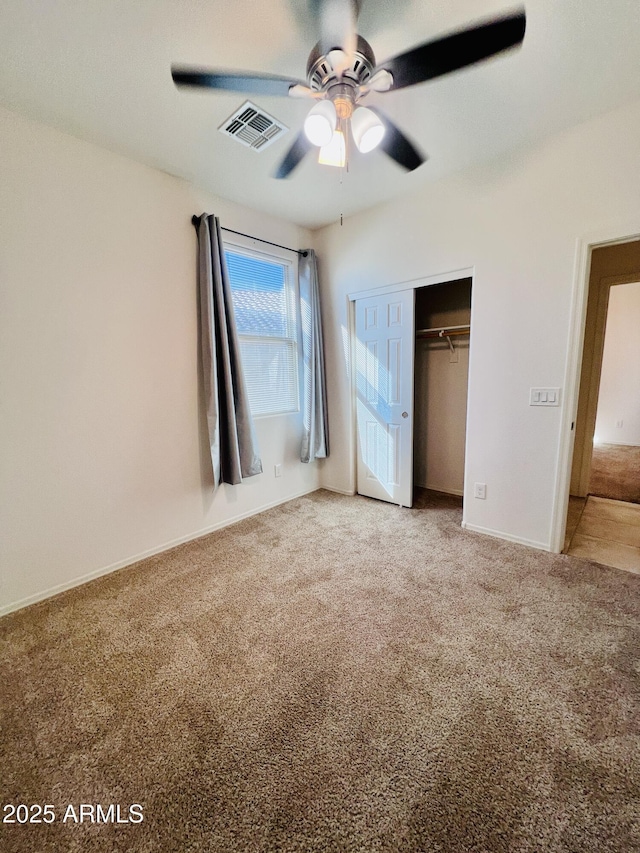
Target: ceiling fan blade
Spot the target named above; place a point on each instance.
(294, 155)
(234, 81)
(398, 146)
(455, 51)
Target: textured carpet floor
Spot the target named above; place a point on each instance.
(615, 472)
(336, 674)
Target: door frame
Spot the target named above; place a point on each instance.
(614, 235)
(411, 284)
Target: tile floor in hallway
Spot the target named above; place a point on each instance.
(604, 530)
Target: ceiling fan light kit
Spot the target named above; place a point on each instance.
(367, 130)
(320, 124)
(335, 152)
(320, 128)
(342, 70)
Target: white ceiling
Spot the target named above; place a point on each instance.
(100, 69)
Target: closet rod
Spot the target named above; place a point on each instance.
(444, 331)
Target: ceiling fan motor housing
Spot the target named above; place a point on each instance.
(320, 71)
(344, 96)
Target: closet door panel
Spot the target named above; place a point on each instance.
(384, 389)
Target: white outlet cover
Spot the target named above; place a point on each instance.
(480, 491)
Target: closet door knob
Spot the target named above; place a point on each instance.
(405, 414)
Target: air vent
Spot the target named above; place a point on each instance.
(253, 127)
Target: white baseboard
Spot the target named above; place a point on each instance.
(346, 492)
(618, 443)
(129, 561)
(498, 534)
(445, 490)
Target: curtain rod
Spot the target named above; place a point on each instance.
(196, 219)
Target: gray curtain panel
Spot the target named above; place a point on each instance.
(315, 437)
(232, 438)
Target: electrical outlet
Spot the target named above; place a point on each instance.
(277, 470)
(480, 491)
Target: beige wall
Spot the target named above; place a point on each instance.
(618, 415)
(102, 451)
(517, 223)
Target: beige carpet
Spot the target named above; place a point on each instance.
(337, 674)
(615, 472)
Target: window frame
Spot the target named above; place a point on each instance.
(288, 259)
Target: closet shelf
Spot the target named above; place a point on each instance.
(443, 332)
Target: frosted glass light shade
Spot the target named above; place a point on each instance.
(320, 124)
(335, 153)
(367, 129)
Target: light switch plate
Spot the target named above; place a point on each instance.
(544, 397)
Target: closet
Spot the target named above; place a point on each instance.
(442, 322)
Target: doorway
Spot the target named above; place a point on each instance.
(443, 323)
(410, 369)
(603, 514)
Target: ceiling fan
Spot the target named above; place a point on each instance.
(342, 71)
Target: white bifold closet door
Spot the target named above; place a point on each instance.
(384, 388)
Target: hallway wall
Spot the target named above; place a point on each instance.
(618, 414)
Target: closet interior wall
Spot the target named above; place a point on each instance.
(441, 381)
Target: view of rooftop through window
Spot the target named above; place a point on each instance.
(259, 295)
(265, 311)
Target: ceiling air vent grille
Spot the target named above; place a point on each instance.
(253, 127)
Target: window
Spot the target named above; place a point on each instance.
(264, 300)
